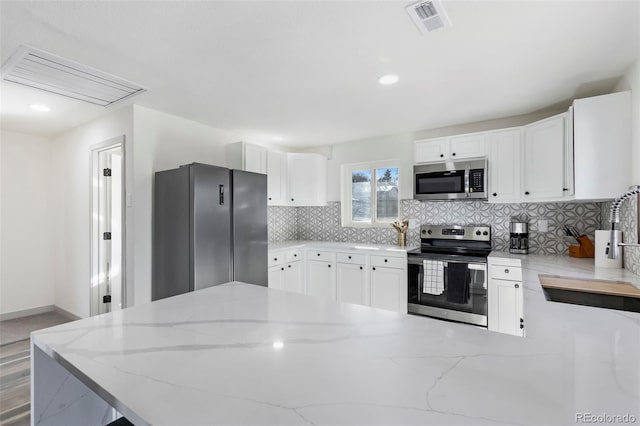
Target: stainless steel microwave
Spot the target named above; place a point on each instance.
(451, 180)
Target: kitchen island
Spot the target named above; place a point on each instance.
(243, 354)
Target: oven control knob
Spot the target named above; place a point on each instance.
(485, 233)
(424, 231)
(429, 232)
(478, 232)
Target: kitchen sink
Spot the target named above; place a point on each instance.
(597, 293)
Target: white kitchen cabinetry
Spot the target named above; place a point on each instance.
(505, 296)
(602, 146)
(285, 271)
(505, 165)
(277, 178)
(321, 274)
(307, 180)
(450, 148)
(245, 156)
(387, 275)
(352, 278)
(544, 159)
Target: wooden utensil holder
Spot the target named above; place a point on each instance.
(585, 249)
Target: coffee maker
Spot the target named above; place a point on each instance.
(519, 241)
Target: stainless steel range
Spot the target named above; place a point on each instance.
(447, 275)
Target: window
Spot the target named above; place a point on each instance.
(370, 194)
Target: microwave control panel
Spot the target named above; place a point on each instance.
(476, 180)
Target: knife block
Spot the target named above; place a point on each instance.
(585, 249)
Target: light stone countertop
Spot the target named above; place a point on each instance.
(338, 246)
(243, 354)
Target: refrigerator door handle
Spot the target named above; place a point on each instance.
(221, 194)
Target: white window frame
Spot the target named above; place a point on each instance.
(346, 171)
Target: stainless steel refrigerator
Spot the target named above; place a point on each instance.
(209, 228)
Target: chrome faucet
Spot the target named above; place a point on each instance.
(613, 248)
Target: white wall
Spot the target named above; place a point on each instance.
(631, 81)
(400, 147)
(164, 141)
(71, 161)
(26, 250)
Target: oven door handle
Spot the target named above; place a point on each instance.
(471, 265)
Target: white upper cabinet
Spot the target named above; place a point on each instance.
(277, 178)
(245, 156)
(602, 146)
(505, 159)
(307, 180)
(544, 159)
(450, 148)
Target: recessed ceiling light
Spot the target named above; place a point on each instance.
(388, 79)
(39, 108)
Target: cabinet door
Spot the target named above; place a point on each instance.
(276, 178)
(307, 180)
(430, 150)
(505, 307)
(543, 159)
(352, 283)
(293, 277)
(276, 277)
(321, 279)
(387, 285)
(504, 165)
(255, 159)
(468, 146)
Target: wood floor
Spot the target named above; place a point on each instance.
(15, 372)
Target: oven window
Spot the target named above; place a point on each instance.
(440, 183)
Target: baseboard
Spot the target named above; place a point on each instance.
(27, 312)
(67, 314)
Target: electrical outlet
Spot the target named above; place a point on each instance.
(543, 225)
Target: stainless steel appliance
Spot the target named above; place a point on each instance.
(519, 237)
(451, 180)
(447, 275)
(209, 228)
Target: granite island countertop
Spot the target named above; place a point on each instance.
(243, 354)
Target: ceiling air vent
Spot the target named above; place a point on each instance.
(41, 70)
(428, 15)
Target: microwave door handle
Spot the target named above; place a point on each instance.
(466, 180)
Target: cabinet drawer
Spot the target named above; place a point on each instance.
(389, 262)
(359, 259)
(326, 256)
(293, 256)
(276, 259)
(505, 273)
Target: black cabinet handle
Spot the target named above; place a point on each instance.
(565, 189)
(454, 154)
(361, 268)
(282, 269)
(517, 285)
(295, 255)
(506, 271)
(441, 155)
(495, 194)
(349, 257)
(385, 260)
(329, 266)
(288, 266)
(292, 199)
(374, 268)
(221, 194)
(269, 198)
(526, 192)
(275, 259)
(318, 254)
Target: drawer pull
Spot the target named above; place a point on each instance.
(318, 254)
(275, 259)
(385, 261)
(517, 285)
(349, 257)
(506, 271)
(361, 268)
(374, 268)
(295, 255)
(329, 266)
(288, 266)
(282, 269)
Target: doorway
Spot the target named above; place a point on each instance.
(107, 227)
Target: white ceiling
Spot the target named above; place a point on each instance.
(306, 70)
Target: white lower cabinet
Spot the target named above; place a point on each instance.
(385, 283)
(352, 283)
(505, 298)
(286, 271)
(321, 279)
